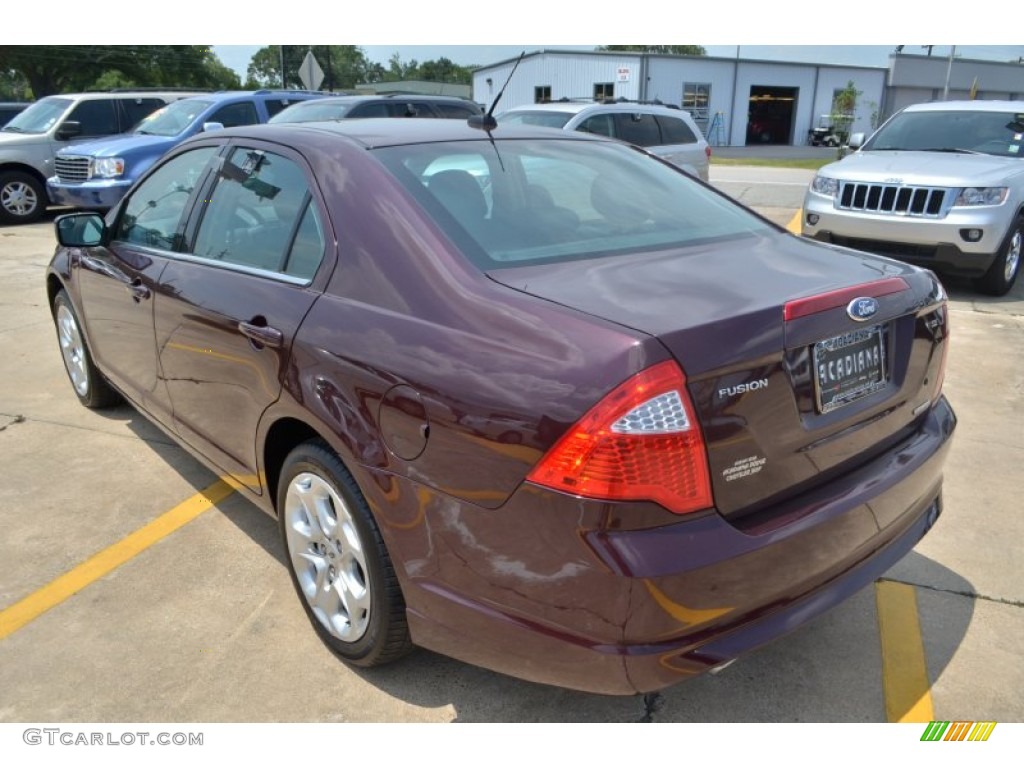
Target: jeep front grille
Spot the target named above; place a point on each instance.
(72, 169)
(886, 198)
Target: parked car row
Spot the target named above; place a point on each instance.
(85, 150)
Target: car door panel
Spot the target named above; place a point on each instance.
(215, 331)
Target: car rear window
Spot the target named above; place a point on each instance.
(515, 202)
(674, 130)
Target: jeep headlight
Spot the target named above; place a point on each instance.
(108, 167)
(982, 196)
(824, 185)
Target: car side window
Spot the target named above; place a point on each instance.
(599, 124)
(96, 116)
(260, 215)
(274, 106)
(675, 131)
(231, 115)
(373, 109)
(134, 110)
(456, 110)
(153, 212)
(637, 128)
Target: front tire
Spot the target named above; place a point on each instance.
(90, 387)
(22, 198)
(1000, 277)
(337, 559)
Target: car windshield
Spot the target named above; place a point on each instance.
(516, 202)
(992, 133)
(40, 117)
(540, 117)
(173, 119)
(311, 111)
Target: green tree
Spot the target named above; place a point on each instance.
(675, 50)
(49, 69)
(343, 66)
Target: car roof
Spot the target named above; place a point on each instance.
(384, 131)
(575, 107)
(363, 97)
(981, 105)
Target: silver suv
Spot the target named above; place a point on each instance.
(939, 185)
(665, 131)
(30, 141)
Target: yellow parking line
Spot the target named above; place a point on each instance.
(905, 682)
(102, 563)
(794, 223)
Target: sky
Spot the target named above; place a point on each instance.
(471, 32)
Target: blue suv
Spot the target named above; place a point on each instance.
(96, 174)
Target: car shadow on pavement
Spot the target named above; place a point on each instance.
(828, 671)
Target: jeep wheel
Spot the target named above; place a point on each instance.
(22, 198)
(1001, 275)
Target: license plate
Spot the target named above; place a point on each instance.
(848, 367)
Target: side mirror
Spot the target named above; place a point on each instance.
(212, 127)
(856, 141)
(69, 129)
(80, 230)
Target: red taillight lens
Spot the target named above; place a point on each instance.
(641, 442)
(707, 151)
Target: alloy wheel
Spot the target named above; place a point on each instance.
(327, 555)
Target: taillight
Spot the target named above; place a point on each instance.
(641, 442)
(707, 151)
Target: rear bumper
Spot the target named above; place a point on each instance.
(554, 589)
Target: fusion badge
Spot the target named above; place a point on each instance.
(862, 308)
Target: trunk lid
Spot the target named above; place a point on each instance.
(775, 422)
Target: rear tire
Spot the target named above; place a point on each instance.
(1000, 277)
(88, 383)
(337, 559)
(22, 198)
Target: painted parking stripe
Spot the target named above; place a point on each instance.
(114, 556)
(794, 223)
(905, 682)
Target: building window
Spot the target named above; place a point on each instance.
(697, 99)
(604, 91)
(541, 94)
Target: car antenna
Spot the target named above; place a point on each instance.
(487, 122)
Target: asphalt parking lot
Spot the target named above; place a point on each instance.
(138, 588)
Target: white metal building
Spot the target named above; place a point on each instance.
(735, 101)
(745, 101)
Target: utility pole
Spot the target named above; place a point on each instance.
(282, 67)
(949, 70)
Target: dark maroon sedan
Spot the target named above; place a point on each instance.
(535, 400)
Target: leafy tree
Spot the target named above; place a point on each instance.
(343, 66)
(676, 50)
(49, 69)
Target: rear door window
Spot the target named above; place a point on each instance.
(260, 215)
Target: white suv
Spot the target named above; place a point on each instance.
(940, 185)
(665, 131)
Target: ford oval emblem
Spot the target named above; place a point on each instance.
(862, 308)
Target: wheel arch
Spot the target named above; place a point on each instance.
(16, 167)
(281, 439)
